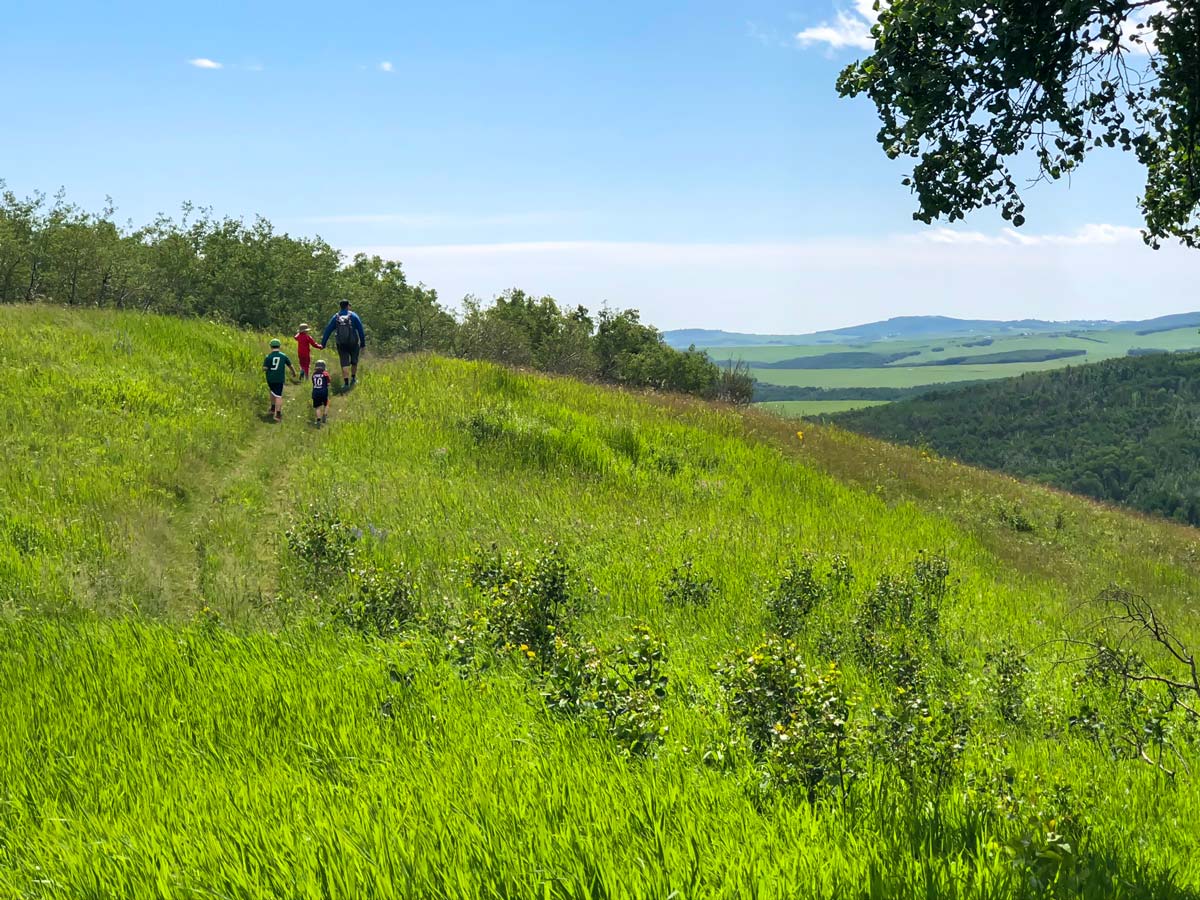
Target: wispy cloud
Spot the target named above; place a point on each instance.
(385, 66)
(1010, 237)
(439, 220)
(849, 28)
(202, 62)
(1099, 271)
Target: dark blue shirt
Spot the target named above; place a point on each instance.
(354, 320)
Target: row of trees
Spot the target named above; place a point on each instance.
(52, 251)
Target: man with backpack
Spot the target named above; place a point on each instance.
(347, 327)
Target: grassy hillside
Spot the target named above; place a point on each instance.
(194, 703)
(1124, 431)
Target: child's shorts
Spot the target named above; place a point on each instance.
(320, 400)
(275, 387)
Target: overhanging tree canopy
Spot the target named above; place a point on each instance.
(966, 87)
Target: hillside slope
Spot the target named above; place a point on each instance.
(195, 701)
(1126, 431)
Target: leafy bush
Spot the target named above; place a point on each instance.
(684, 588)
(797, 719)
(800, 590)
(920, 738)
(377, 602)
(528, 600)
(1008, 683)
(623, 688)
(324, 543)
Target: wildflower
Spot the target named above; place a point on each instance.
(800, 436)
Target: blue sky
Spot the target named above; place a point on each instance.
(689, 159)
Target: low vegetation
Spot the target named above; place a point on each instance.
(497, 634)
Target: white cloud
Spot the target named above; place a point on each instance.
(1093, 272)
(850, 28)
(201, 62)
(1098, 271)
(385, 66)
(1011, 237)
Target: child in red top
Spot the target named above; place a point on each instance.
(304, 345)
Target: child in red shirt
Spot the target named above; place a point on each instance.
(304, 345)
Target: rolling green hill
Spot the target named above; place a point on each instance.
(914, 354)
(1126, 431)
(493, 634)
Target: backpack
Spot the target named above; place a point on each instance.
(346, 334)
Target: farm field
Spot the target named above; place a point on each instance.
(817, 407)
(247, 660)
(912, 363)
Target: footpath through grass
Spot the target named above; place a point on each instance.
(383, 706)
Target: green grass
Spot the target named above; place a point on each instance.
(181, 716)
(816, 407)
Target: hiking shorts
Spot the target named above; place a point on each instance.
(321, 399)
(348, 354)
(276, 388)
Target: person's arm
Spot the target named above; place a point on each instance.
(362, 335)
(329, 330)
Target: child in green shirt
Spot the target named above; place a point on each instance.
(274, 365)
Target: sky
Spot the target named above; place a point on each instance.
(688, 159)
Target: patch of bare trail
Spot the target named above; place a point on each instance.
(219, 546)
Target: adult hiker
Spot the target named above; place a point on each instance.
(347, 328)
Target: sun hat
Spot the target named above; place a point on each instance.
(303, 326)
(275, 342)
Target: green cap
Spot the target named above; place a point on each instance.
(275, 342)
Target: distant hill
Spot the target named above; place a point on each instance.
(1124, 430)
(918, 327)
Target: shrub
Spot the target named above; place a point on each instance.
(922, 739)
(528, 601)
(800, 590)
(322, 542)
(378, 602)
(797, 719)
(621, 689)
(683, 587)
(735, 384)
(1009, 675)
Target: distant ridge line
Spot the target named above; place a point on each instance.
(916, 327)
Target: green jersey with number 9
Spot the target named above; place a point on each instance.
(275, 365)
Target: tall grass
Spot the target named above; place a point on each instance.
(181, 715)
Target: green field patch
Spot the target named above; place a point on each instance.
(1005, 356)
(817, 407)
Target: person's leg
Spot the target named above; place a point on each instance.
(354, 365)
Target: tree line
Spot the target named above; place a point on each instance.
(253, 276)
(1124, 430)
